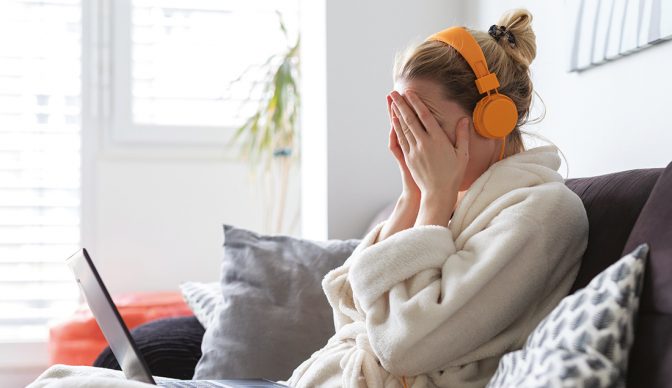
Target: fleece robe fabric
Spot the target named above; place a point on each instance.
(438, 305)
(70, 376)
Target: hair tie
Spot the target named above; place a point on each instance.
(498, 31)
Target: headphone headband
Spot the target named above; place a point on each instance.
(465, 44)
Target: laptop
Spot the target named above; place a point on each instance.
(117, 335)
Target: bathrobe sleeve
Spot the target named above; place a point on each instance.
(337, 287)
(430, 297)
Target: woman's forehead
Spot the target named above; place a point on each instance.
(431, 95)
(427, 90)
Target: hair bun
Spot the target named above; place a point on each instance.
(517, 23)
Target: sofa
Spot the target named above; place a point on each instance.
(624, 209)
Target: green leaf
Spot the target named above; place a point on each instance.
(275, 122)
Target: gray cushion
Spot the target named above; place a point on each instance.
(274, 313)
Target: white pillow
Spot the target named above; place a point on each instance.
(203, 299)
(585, 340)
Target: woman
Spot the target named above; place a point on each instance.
(484, 240)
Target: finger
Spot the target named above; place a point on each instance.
(462, 140)
(403, 126)
(393, 133)
(389, 107)
(393, 138)
(408, 115)
(395, 147)
(424, 115)
(401, 138)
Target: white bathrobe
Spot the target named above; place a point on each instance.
(440, 304)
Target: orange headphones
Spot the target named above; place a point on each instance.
(495, 115)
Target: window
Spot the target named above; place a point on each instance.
(39, 162)
(174, 62)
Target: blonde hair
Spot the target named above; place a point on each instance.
(439, 62)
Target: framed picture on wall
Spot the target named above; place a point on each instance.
(605, 30)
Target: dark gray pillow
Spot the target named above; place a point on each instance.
(274, 313)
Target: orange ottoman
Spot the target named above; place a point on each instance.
(78, 339)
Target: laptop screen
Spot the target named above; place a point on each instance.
(108, 318)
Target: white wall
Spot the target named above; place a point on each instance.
(609, 118)
(158, 222)
(349, 159)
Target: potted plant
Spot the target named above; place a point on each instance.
(269, 138)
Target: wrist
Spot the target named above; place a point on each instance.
(436, 209)
(403, 216)
(409, 200)
(439, 199)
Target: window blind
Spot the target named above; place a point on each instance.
(185, 53)
(40, 70)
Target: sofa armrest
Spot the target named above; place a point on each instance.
(170, 346)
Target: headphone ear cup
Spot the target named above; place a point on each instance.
(495, 116)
